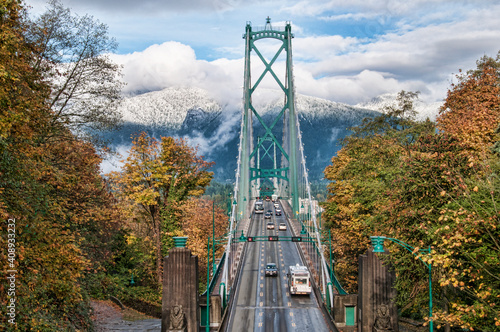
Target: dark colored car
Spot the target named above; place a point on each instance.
(271, 270)
(267, 215)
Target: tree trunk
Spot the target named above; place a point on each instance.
(157, 237)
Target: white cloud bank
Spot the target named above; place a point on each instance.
(173, 64)
(421, 52)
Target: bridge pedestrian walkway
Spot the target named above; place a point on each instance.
(236, 251)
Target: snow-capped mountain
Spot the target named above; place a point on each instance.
(424, 110)
(214, 128)
(167, 108)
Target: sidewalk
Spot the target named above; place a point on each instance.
(109, 317)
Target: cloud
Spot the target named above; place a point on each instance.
(420, 57)
(416, 53)
(228, 130)
(173, 64)
(156, 6)
(323, 47)
(114, 163)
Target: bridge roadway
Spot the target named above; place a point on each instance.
(264, 303)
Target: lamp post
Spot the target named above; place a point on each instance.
(378, 246)
(213, 238)
(207, 326)
(301, 213)
(331, 254)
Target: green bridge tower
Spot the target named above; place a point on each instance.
(258, 163)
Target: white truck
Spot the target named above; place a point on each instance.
(299, 279)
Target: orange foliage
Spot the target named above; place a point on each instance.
(197, 226)
(158, 177)
(50, 185)
(471, 112)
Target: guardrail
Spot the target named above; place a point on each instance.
(213, 282)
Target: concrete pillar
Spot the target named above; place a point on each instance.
(215, 312)
(180, 290)
(344, 307)
(376, 295)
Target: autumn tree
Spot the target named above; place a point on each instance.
(52, 188)
(437, 189)
(359, 175)
(74, 57)
(362, 176)
(21, 89)
(158, 176)
(201, 218)
(467, 229)
(471, 112)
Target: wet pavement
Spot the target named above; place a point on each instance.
(109, 317)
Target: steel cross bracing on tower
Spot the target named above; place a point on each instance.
(273, 155)
(286, 173)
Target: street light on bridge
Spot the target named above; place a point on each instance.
(378, 246)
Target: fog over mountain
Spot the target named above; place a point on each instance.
(424, 110)
(214, 128)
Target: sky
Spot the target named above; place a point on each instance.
(344, 51)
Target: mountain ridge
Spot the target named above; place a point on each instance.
(214, 128)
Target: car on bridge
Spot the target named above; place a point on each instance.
(278, 212)
(259, 207)
(271, 270)
(270, 225)
(282, 226)
(268, 215)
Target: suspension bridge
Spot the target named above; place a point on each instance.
(271, 170)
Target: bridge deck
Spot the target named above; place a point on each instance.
(263, 303)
